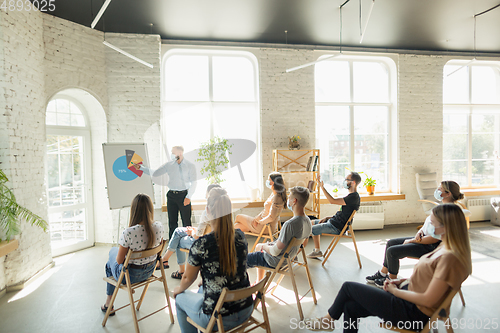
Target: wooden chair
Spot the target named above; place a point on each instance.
(265, 233)
(459, 290)
(347, 232)
(233, 295)
(285, 267)
(208, 230)
(440, 314)
(130, 288)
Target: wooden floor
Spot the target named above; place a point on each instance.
(67, 298)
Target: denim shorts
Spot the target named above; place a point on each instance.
(324, 228)
(255, 259)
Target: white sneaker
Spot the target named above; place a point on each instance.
(315, 254)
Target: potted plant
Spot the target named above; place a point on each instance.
(11, 212)
(293, 142)
(370, 185)
(213, 154)
(335, 191)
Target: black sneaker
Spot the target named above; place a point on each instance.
(372, 278)
(380, 282)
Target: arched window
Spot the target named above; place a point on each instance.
(471, 123)
(68, 176)
(354, 104)
(210, 93)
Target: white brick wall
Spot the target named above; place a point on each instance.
(24, 120)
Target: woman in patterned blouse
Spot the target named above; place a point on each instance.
(220, 258)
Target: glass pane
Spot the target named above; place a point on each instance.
(233, 79)
(62, 106)
(51, 118)
(455, 123)
(483, 172)
(456, 170)
(51, 107)
(332, 81)
(333, 140)
(456, 86)
(186, 78)
(52, 170)
(376, 170)
(483, 146)
(74, 109)
(242, 158)
(77, 120)
(485, 85)
(67, 227)
(455, 146)
(54, 198)
(371, 82)
(63, 119)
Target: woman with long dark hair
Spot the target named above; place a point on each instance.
(220, 258)
(272, 208)
(142, 233)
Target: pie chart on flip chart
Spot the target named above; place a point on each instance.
(123, 167)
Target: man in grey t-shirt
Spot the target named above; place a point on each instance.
(299, 226)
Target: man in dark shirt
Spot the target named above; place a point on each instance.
(335, 224)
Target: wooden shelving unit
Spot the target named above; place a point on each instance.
(292, 164)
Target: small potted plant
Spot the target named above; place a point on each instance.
(370, 185)
(293, 142)
(335, 191)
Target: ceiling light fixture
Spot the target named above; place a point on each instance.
(101, 11)
(473, 59)
(367, 20)
(127, 54)
(328, 57)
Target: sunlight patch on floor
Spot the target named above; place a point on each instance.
(34, 284)
(494, 233)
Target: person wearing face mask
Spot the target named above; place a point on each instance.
(272, 208)
(422, 243)
(180, 177)
(335, 224)
(413, 300)
(299, 226)
(184, 237)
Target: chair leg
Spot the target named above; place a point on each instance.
(277, 283)
(132, 307)
(335, 241)
(264, 314)
(299, 306)
(120, 278)
(308, 274)
(461, 296)
(355, 247)
(142, 297)
(167, 295)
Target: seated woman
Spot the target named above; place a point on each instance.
(143, 233)
(183, 238)
(422, 243)
(272, 208)
(434, 276)
(221, 258)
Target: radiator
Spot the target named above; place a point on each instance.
(370, 216)
(480, 209)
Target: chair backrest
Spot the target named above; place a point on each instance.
(294, 242)
(426, 185)
(144, 254)
(349, 221)
(443, 310)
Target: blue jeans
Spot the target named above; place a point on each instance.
(114, 269)
(180, 240)
(189, 304)
(324, 228)
(257, 259)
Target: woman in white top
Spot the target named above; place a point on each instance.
(143, 233)
(422, 243)
(272, 208)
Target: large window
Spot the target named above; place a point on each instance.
(353, 109)
(208, 94)
(471, 123)
(68, 177)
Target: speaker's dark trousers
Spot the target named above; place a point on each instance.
(175, 204)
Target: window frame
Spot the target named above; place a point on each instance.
(210, 52)
(471, 109)
(391, 105)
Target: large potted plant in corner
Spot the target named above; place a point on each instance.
(214, 156)
(11, 212)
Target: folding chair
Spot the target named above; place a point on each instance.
(265, 233)
(459, 290)
(208, 230)
(442, 313)
(130, 288)
(347, 232)
(233, 295)
(286, 267)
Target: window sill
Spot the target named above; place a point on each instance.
(480, 192)
(8, 247)
(382, 196)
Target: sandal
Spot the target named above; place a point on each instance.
(165, 266)
(104, 308)
(319, 324)
(177, 275)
